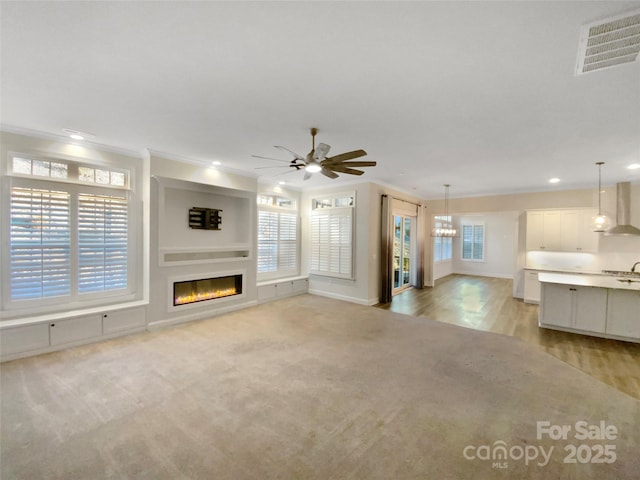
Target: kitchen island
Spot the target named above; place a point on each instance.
(599, 305)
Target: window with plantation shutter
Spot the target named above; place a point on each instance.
(102, 242)
(277, 237)
(40, 248)
(332, 238)
(442, 246)
(69, 243)
(473, 242)
(287, 242)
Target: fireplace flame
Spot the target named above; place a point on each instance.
(197, 297)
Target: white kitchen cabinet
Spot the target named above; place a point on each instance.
(75, 329)
(24, 338)
(623, 313)
(543, 230)
(535, 231)
(123, 320)
(531, 287)
(556, 306)
(561, 230)
(590, 309)
(588, 239)
(570, 306)
(570, 230)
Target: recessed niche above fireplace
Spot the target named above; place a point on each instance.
(205, 289)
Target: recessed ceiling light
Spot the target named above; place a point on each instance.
(281, 182)
(554, 180)
(216, 163)
(77, 135)
(634, 166)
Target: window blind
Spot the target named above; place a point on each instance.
(277, 242)
(442, 246)
(287, 241)
(332, 242)
(102, 242)
(267, 241)
(66, 241)
(40, 255)
(473, 242)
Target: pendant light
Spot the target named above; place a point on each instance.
(600, 223)
(444, 228)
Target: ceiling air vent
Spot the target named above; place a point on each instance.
(609, 42)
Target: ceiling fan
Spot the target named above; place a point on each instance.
(317, 160)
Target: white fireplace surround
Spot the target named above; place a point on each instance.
(209, 304)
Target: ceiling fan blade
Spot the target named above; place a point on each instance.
(296, 156)
(341, 169)
(272, 159)
(328, 173)
(321, 151)
(307, 176)
(347, 156)
(353, 164)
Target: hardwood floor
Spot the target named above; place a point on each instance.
(485, 303)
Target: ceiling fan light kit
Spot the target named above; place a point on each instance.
(316, 161)
(313, 167)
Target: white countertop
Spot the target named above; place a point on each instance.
(581, 280)
(575, 271)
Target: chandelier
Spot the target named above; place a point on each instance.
(443, 224)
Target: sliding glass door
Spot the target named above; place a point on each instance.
(402, 252)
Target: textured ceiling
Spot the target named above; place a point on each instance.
(481, 95)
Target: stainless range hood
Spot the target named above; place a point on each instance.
(623, 212)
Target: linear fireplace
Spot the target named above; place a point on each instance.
(215, 287)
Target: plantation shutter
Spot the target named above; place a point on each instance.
(478, 242)
(39, 238)
(473, 242)
(277, 242)
(332, 242)
(102, 242)
(267, 241)
(287, 243)
(467, 242)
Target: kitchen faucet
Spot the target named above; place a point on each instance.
(633, 269)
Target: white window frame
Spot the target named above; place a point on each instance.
(473, 226)
(74, 300)
(442, 221)
(335, 211)
(279, 205)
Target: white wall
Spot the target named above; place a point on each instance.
(501, 240)
(443, 268)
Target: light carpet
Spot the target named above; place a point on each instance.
(309, 388)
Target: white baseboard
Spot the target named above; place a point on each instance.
(360, 301)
